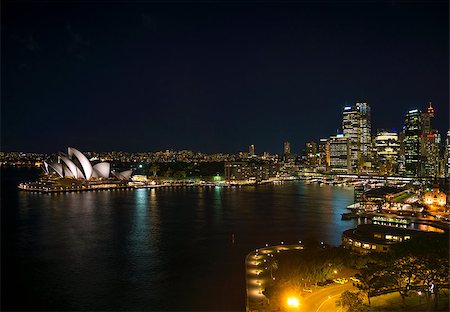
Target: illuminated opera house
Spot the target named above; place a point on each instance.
(74, 172)
(75, 165)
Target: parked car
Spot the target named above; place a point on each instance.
(340, 280)
(324, 283)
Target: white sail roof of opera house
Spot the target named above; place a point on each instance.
(85, 163)
(76, 165)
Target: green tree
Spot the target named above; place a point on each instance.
(352, 301)
(273, 265)
(154, 168)
(372, 278)
(403, 275)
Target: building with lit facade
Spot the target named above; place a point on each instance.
(412, 134)
(339, 154)
(286, 148)
(356, 126)
(75, 165)
(435, 198)
(323, 155)
(379, 238)
(447, 156)
(387, 148)
(252, 170)
(251, 150)
(429, 145)
(311, 151)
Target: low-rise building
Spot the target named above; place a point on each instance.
(379, 238)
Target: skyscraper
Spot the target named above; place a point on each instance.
(251, 150)
(387, 149)
(311, 150)
(286, 148)
(447, 155)
(412, 133)
(323, 159)
(356, 126)
(339, 154)
(429, 145)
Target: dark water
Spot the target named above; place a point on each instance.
(159, 249)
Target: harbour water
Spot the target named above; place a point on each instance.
(151, 249)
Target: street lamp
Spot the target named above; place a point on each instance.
(293, 302)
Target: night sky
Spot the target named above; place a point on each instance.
(213, 77)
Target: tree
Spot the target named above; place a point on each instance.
(403, 274)
(372, 278)
(154, 170)
(273, 265)
(351, 300)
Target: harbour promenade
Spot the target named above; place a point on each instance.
(257, 265)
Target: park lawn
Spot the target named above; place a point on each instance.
(393, 302)
(402, 197)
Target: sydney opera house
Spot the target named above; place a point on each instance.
(75, 172)
(76, 165)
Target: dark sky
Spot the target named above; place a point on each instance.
(213, 77)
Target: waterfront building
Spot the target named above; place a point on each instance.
(412, 133)
(75, 165)
(339, 154)
(379, 238)
(387, 149)
(250, 171)
(356, 126)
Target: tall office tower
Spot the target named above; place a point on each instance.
(429, 145)
(412, 132)
(356, 126)
(339, 154)
(365, 125)
(286, 148)
(387, 149)
(323, 151)
(447, 155)
(251, 150)
(311, 151)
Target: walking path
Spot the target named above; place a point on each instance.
(257, 262)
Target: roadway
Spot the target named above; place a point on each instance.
(324, 299)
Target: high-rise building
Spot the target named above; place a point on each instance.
(311, 151)
(340, 154)
(356, 126)
(429, 145)
(286, 148)
(447, 155)
(412, 133)
(323, 155)
(387, 147)
(251, 150)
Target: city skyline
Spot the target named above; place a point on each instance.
(214, 77)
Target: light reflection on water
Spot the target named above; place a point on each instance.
(135, 249)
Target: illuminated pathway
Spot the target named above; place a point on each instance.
(256, 263)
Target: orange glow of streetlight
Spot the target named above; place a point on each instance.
(293, 302)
